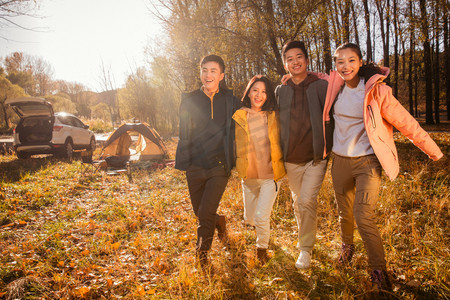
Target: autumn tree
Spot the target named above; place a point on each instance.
(32, 73)
(137, 100)
(427, 62)
(8, 90)
(11, 9)
(62, 102)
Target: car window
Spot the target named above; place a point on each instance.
(64, 120)
(35, 122)
(77, 122)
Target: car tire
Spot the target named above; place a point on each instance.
(92, 144)
(23, 155)
(67, 151)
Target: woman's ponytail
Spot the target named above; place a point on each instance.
(368, 70)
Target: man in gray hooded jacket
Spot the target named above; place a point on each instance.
(301, 103)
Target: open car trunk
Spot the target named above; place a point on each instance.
(35, 130)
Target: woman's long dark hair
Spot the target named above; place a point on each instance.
(367, 70)
(271, 103)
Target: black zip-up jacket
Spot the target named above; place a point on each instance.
(191, 109)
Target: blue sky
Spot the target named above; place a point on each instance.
(77, 36)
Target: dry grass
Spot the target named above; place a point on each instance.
(67, 236)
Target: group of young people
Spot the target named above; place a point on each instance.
(293, 130)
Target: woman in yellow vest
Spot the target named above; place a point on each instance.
(259, 159)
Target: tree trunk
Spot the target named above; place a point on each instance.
(403, 57)
(427, 63)
(337, 24)
(326, 38)
(272, 36)
(368, 39)
(380, 10)
(5, 115)
(395, 50)
(355, 21)
(416, 83)
(446, 56)
(346, 21)
(436, 64)
(388, 34)
(411, 57)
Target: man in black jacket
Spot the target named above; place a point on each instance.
(206, 149)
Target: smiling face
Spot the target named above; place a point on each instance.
(257, 95)
(348, 64)
(296, 63)
(211, 75)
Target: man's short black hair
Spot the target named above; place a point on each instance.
(214, 58)
(294, 44)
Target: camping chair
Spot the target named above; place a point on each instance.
(88, 165)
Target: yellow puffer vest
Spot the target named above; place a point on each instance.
(242, 140)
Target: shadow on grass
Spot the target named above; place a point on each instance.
(247, 279)
(14, 170)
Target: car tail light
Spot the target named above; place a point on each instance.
(14, 131)
(57, 128)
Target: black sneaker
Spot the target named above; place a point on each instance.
(347, 252)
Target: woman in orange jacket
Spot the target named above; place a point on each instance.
(359, 114)
(259, 160)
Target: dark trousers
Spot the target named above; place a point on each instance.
(206, 187)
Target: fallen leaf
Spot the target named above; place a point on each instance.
(83, 291)
(413, 283)
(115, 246)
(140, 291)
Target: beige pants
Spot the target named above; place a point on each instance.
(305, 182)
(356, 182)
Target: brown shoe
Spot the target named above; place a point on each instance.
(221, 226)
(261, 254)
(202, 258)
(205, 263)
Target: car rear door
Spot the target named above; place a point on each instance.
(30, 106)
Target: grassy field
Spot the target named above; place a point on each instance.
(68, 236)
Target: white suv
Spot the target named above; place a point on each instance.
(40, 131)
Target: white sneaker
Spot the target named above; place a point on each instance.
(304, 260)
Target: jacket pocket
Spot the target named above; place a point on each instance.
(372, 116)
(393, 151)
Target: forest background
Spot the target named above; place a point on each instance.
(411, 37)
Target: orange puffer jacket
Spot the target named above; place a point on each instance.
(382, 111)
